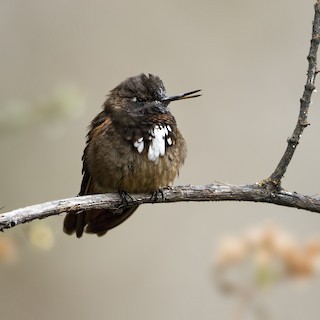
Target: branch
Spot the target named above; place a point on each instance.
(268, 191)
(211, 192)
(305, 101)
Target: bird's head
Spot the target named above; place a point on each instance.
(141, 96)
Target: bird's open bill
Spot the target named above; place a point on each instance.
(187, 95)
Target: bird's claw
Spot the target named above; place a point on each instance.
(125, 198)
(155, 195)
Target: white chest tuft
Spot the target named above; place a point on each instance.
(158, 139)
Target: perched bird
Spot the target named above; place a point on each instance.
(133, 146)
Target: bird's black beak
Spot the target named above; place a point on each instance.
(187, 95)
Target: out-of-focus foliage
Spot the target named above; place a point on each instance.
(38, 235)
(8, 250)
(263, 257)
(51, 111)
(41, 236)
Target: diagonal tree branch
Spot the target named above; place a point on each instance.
(267, 191)
(305, 101)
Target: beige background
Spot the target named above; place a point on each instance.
(247, 56)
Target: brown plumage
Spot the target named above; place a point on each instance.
(133, 146)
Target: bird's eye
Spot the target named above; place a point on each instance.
(137, 99)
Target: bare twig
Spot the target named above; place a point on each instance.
(305, 101)
(212, 192)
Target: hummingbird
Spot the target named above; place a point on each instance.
(133, 146)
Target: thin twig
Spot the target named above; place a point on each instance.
(302, 123)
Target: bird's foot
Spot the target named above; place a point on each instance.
(126, 199)
(155, 195)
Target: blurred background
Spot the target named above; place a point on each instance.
(58, 61)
